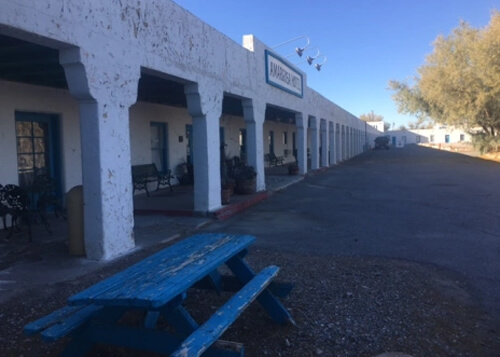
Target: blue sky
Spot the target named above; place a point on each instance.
(366, 42)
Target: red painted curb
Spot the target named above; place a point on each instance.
(234, 208)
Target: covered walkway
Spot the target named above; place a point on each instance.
(180, 201)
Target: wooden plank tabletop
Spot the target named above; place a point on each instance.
(154, 281)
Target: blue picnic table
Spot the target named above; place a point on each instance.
(158, 285)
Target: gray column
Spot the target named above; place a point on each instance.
(105, 90)
(338, 147)
(332, 143)
(254, 114)
(301, 123)
(205, 107)
(344, 143)
(314, 126)
(324, 143)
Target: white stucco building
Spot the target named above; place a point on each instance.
(378, 125)
(437, 135)
(89, 88)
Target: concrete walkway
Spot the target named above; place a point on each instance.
(46, 260)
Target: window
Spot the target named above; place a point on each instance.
(431, 139)
(285, 137)
(462, 137)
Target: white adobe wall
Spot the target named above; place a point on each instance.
(425, 135)
(22, 97)
(190, 49)
(279, 146)
(440, 135)
(379, 125)
(232, 125)
(141, 115)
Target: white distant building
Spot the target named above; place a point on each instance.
(379, 125)
(437, 135)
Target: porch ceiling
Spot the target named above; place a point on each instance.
(279, 115)
(26, 62)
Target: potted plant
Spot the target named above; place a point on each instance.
(245, 177)
(293, 168)
(225, 195)
(226, 188)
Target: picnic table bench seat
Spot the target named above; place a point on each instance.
(144, 174)
(158, 285)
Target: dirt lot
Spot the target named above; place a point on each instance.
(342, 306)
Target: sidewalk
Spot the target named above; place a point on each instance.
(46, 260)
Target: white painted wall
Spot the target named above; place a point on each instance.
(435, 135)
(279, 146)
(22, 97)
(379, 125)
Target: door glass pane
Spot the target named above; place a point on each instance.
(23, 128)
(25, 162)
(24, 145)
(39, 145)
(33, 152)
(40, 129)
(41, 161)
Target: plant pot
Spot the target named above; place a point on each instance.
(231, 184)
(246, 186)
(293, 170)
(225, 195)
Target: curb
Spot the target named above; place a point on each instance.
(234, 208)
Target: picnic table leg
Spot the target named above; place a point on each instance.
(175, 314)
(268, 301)
(79, 345)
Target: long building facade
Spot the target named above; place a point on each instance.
(88, 89)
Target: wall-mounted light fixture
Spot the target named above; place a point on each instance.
(307, 49)
(298, 50)
(310, 59)
(318, 65)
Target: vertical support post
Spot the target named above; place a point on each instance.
(314, 125)
(105, 90)
(324, 143)
(344, 146)
(254, 113)
(301, 123)
(331, 133)
(205, 107)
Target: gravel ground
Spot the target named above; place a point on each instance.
(342, 306)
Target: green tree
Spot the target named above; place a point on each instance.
(371, 117)
(459, 84)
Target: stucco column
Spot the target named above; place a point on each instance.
(331, 134)
(301, 124)
(324, 143)
(348, 142)
(353, 142)
(344, 146)
(105, 90)
(204, 103)
(254, 114)
(314, 125)
(338, 141)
